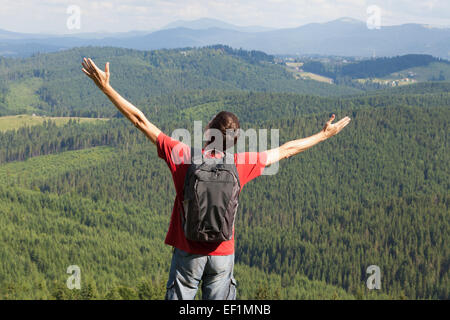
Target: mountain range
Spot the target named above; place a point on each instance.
(341, 37)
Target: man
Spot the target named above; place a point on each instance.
(210, 263)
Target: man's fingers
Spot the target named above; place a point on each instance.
(331, 119)
(107, 67)
(345, 119)
(343, 122)
(87, 62)
(85, 65)
(93, 65)
(87, 73)
(88, 66)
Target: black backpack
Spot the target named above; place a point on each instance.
(211, 196)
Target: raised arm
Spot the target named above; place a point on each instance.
(296, 146)
(101, 79)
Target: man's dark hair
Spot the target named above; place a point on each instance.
(225, 122)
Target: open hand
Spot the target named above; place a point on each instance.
(330, 129)
(100, 78)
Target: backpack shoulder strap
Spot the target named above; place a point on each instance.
(227, 161)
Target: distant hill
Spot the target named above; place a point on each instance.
(371, 68)
(207, 23)
(53, 83)
(419, 88)
(342, 37)
(349, 37)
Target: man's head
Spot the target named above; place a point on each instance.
(226, 127)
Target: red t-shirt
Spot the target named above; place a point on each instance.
(249, 166)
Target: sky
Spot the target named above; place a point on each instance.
(51, 16)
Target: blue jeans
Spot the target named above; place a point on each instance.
(215, 273)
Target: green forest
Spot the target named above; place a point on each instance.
(374, 68)
(95, 194)
(38, 80)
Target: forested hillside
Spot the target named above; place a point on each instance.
(419, 88)
(95, 194)
(372, 68)
(52, 84)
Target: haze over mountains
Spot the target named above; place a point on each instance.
(342, 37)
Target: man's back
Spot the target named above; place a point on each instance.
(210, 197)
(177, 155)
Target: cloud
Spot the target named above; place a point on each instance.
(123, 15)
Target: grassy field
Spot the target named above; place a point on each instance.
(298, 74)
(22, 96)
(391, 82)
(22, 120)
(316, 77)
(432, 72)
(54, 164)
(294, 64)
